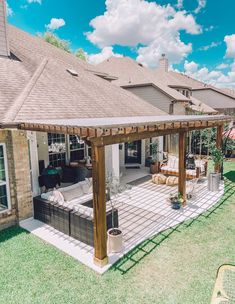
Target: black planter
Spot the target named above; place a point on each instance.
(175, 205)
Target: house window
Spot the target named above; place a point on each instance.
(77, 148)
(56, 149)
(4, 182)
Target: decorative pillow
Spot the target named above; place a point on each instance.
(73, 193)
(56, 197)
(74, 186)
(171, 161)
(46, 195)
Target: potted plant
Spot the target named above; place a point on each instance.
(154, 158)
(176, 201)
(115, 235)
(215, 177)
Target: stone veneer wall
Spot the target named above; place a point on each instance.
(19, 177)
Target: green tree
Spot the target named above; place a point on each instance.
(80, 54)
(56, 41)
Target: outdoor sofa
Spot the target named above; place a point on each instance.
(74, 218)
(171, 167)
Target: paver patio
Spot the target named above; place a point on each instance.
(144, 211)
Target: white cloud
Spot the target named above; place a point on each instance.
(230, 42)
(201, 5)
(217, 78)
(222, 66)
(151, 28)
(55, 24)
(210, 46)
(209, 28)
(179, 4)
(34, 1)
(105, 54)
(9, 10)
(190, 67)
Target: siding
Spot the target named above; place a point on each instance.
(3, 33)
(215, 99)
(153, 96)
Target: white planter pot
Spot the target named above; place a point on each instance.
(115, 242)
(214, 181)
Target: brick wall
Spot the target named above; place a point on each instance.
(19, 177)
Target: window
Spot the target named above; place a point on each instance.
(4, 183)
(77, 148)
(56, 149)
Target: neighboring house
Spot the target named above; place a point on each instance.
(39, 81)
(174, 98)
(221, 100)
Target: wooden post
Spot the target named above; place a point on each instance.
(219, 141)
(99, 206)
(182, 166)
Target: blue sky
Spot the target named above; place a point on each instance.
(191, 32)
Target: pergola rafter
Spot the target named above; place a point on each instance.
(99, 133)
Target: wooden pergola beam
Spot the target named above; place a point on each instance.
(182, 166)
(99, 206)
(219, 143)
(143, 131)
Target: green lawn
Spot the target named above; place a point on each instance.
(177, 266)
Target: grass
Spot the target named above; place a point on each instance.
(177, 266)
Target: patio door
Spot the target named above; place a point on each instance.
(133, 152)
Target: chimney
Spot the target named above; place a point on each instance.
(163, 63)
(4, 48)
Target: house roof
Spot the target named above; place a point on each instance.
(199, 106)
(130, 73)
(35, 84)
(199, 85)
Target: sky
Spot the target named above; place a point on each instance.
(197, 36)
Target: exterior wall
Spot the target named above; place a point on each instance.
(179, 108)
(42, 142)
(216, 100)
(153, 96)
(19, 177)
(4, 51)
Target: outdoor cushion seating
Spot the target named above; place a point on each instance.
(172, 180)
(159, 179)
(171, 167)
(76, 222)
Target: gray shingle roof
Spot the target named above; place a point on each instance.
(129, 72)
(38, 86)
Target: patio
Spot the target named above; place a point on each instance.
(144, 211)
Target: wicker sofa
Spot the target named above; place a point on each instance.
(171, 167)
(76, 222)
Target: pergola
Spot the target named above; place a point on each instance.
(100, 132)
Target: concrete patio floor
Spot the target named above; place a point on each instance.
(143, 210)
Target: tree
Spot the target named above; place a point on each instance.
(56, 41)
(80, 54)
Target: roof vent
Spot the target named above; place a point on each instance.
(72, 72)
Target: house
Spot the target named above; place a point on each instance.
(55, 108)
(221, 100)
(39, 81)
(159, 88)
